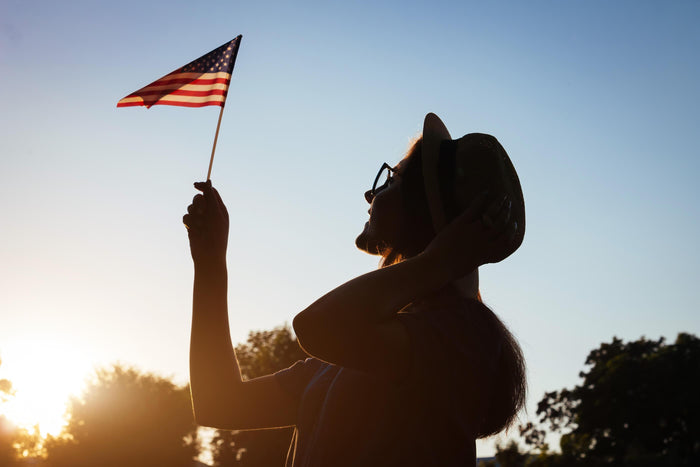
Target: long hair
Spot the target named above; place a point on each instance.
(508, 388)
(509, 384)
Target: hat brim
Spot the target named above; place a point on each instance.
(434, 133)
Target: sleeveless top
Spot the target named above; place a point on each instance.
(431, 417)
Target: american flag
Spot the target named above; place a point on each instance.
(199, 83)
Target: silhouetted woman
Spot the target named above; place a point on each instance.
(408, 366)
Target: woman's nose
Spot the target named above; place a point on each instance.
(369, 196)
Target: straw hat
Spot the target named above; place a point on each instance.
(481, 160)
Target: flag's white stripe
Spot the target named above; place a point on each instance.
(192, 99)
(188, 87)
(127, 100)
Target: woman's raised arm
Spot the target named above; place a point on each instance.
(220, 397)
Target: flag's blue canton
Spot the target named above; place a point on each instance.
(215, 61)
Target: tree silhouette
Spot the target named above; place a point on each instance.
(263, 353)
(7, 449)
(126, 417)
(6, 390)
(15, 442)
(638, 405)
(507, 455)
(7, 428)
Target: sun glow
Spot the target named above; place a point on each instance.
(44, 374)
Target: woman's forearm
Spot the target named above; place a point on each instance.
(346, 312)
(214, 371)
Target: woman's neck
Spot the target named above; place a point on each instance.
(468, 285)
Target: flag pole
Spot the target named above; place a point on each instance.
(216, 136)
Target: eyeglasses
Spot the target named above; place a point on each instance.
(385, 176)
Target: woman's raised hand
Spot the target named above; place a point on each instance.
(478, 236)
(207, 225)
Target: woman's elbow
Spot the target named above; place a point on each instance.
(208, 408)
(300, 324)
(307, 331)
(204, 421)
(323, 339)
(203, 412)
(213, 417)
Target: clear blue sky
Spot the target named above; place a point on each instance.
(596, 102)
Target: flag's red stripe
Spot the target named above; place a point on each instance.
(211, 92)
(173, 103)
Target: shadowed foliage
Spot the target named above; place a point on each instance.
(263, 353)
(507, 455)
(126, 417)
(8, 453)
(638, 405)
(6, 390)
(16, 443)
(7, 429)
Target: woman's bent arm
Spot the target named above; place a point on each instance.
(355, 324)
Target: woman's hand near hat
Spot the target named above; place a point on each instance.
(477, 236)
(207, 225)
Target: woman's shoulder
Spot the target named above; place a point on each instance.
(464, 327)
(449, 304)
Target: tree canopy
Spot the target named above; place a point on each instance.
(5, 388)
(16, 442)
(126, 417)
(129, 417)
(7, 450)
(637, 405)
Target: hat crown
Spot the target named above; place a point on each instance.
(483, 165)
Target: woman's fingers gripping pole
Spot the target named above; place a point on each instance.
(212, 197)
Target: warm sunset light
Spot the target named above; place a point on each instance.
(44, 373)
(185, 283)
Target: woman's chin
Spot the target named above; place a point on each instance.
(365, 243)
